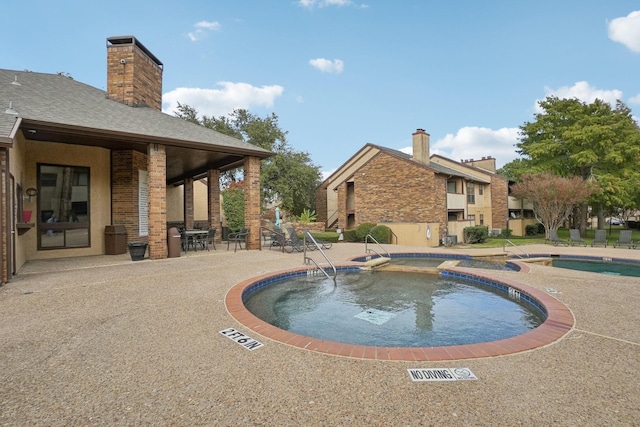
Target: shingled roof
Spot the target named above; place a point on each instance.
(57, 108)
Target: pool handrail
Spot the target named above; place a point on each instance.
(306, 234)
(367, 250)
(504, 248)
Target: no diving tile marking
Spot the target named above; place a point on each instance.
(242, 339)
(441, 374)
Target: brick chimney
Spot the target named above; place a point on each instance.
(134, 75)
(421, 147)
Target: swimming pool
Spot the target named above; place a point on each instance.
(394, 309)
(603, 265)
(558, 322)
(434, 260)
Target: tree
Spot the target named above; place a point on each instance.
(233, 205)
(553, 197)
(289, 177)
(593, 141)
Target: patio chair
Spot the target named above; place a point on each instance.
(211, 238)
(624, 239)
(280, 241)
(553, 238)
(238, 238)
(600, 238)
(297, 243)
(575, 239)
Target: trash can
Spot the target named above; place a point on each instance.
(225, 233)
(137, 250)
(115, 239)
(174, 242)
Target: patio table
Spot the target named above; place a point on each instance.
(196, 237)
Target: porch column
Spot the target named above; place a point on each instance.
(5, 218)
(252, 200)
(213, 200)
(342, 206)
(188, 203)
(157, 188)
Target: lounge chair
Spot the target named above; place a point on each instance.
(600, 238)
(297, 243)
(575, 239)
(238, 238)
(280, 241)
(553, 238)
(624, 239)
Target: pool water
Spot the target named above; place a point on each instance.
(464, 262)
(392, 309)
(617, 269)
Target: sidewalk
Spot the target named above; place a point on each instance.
(108, 341)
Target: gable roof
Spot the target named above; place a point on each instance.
(53, 107)
(438, 168)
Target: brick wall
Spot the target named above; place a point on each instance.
(5, 249)
(188, 203)
(157, 187)
(213, 200)
(389, 189)
(124, 190)
(499, 203)
(252, 200)
(133, 77)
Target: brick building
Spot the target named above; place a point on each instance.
(75, 159)
(421, 198)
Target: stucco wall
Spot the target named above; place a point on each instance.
(98, 160)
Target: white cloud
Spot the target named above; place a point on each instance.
(327, 65)
(202, 30)
(626, 30)
(582, 91)
(635, 99)
(310, 4)
(475, 143)
(219, 102)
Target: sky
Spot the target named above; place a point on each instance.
(340, 73)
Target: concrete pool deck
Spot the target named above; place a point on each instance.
(107, 341)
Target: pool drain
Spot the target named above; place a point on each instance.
(377, 317)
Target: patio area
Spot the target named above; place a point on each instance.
(108, 341)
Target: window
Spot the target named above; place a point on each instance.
(63, 207)
(451, 187)
(471, 192)
(481, 219)
(480, 190)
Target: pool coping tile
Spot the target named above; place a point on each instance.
(558, 323)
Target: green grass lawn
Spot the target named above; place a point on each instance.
(563, 233)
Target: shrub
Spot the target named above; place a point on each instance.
(381, 233)
(363, 229)
(233, 206)
(534, 229)
(476, 234)
(350, 236)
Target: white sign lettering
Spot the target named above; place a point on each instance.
(441, 374)
(242, 339)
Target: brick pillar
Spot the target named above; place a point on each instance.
(252, 200)
(157, 187)
(342, 206)
(188, 203)
(125, 167)
(213, 193)
(5, 242)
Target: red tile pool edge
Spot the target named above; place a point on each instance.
(559, 321)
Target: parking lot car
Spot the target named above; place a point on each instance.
(615, 221)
